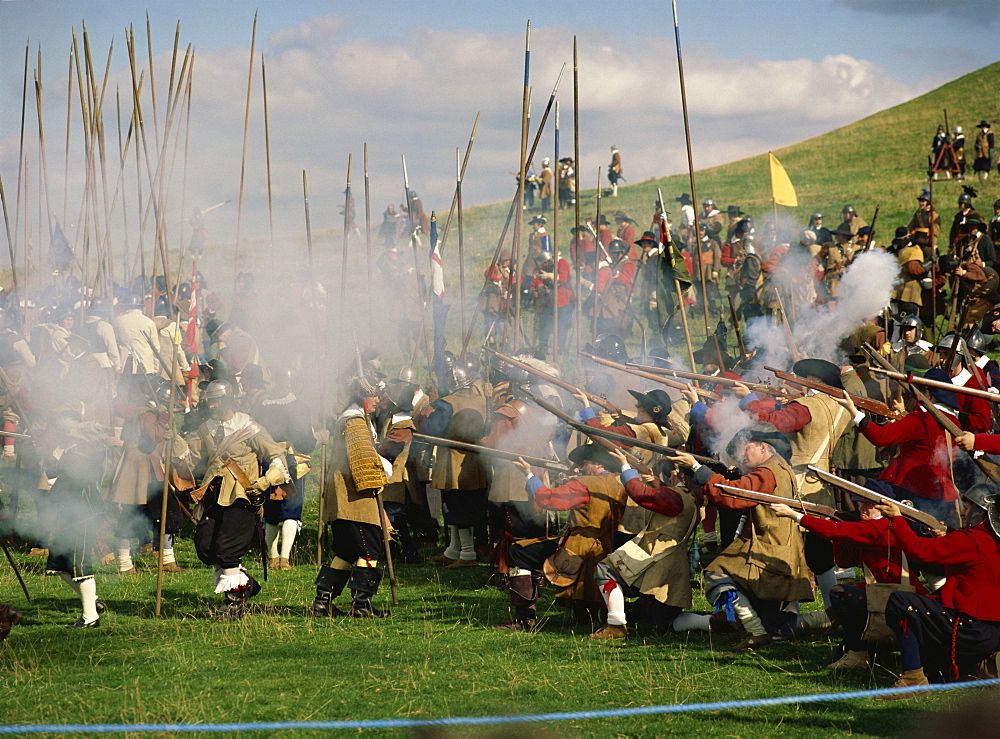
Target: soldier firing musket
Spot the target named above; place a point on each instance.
(549, 464)
(720, 379)
(633, 369)
(875, 407)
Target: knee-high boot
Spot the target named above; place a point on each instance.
(329, 584)
(364, 584)
(523, 590)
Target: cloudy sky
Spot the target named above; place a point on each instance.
(408, 78)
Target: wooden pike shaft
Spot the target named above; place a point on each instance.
(668, 252)
(522, 173)
(510, 214)
(309, 237)
(788, 329)
(6, 224)
(267, 154)
(343, 255)
(243, 158)
(368, 251)
(576, 190)
(20, 154)
(454, 199)
(766, 498)
(461, 242)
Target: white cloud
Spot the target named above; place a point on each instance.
(329, 92)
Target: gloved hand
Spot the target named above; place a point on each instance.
(257, 492)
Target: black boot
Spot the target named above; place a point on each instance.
(523, 597)
(234, 602)
(329, 584)
(364, 584)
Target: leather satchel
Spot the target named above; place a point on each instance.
(877, 595)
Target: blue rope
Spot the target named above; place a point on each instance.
(397, 723)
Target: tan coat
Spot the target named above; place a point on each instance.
(592, 531)
(356, 470)
(655, 561)
(768, 559)
(246, 443)
(814, 445)
(453, 469)
(909, 289)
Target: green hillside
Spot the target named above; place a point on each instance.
(879, 160)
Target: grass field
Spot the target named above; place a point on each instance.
(434, 657)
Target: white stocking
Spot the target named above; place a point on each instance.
(289, 528)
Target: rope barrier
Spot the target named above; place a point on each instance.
(405, 723)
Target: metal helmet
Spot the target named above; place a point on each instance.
(617, 246)
(610, 346)
(814, 215)
(848, 210)
(708, 202)
(219, 389)
(944, 346)
(465, 373)
(985, 498)
(545, 257)
(958, 131)
(907, 320)
(401, 394)
(184, 291)
(965, 199)
(976, 341)
(407, 374)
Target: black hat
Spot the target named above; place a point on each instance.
(734, 210)
(603, 221)
(707, 355)
(760, 431)
(684, 199)
(537, 219)
(864, 230)
(940, 395)
(656, 403)
(987, 325)
(983, 124)
(902, 232)
(213, 327)
(594, 453)
(647, 237)
(621, 215)
(826, 372)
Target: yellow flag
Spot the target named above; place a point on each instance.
(781, 187)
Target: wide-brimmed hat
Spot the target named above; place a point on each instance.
(734, 210)
(656, 403)
(684, 199)
(707, 355)
(877, 486)
(826, 372)
(647, 238)
(983, 124)
(537, 219)
(594, 453)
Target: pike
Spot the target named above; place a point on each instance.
(668, 253)
(382, 517)
(875, 407)
(788, 329)
(736, 327)
(267, 156)
(246, 128)
(461, 238)
(577, 195)
(368, 246)
(911, 379)
(491, 452)
(814, 508)
(677, 384)
(756, 387)
(908, 511)
(522, 174)
(610, 407)
(598, 435)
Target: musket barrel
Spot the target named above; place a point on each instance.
(604, 403)
(649, 376)
(915, 380)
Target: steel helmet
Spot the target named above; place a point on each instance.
(617, 246)
(814, 215)
(219, 389)
(609, 346)
(709, 202)
(976, 341)
(848, 209)
(907, 320)
(985, 498)
(965, 199)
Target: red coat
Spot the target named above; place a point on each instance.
(975, 414)
(926, 451)
(971, 559)
(759, 479)
(865, 542)
(659, 499)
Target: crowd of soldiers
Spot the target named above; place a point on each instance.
(619, 491)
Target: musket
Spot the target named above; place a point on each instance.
(598, 435)
(990, 469)
(908, 511)
(611, 436)
(871, 230)
(382, 517)
(548, 464)
(647, 375)
(604, 403)
(876, 407)
(912, 379)
(812, 508)
(736, 326)
(756, 387)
